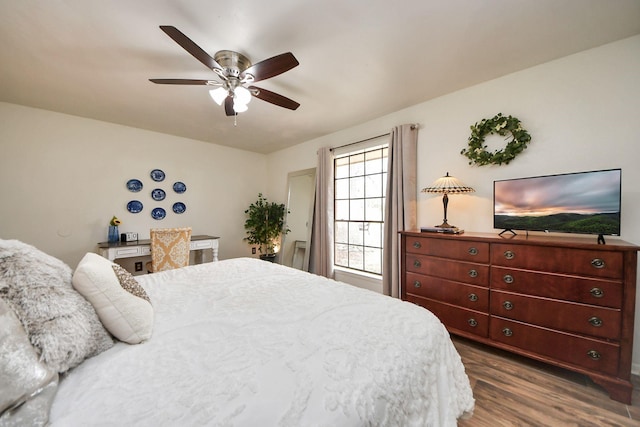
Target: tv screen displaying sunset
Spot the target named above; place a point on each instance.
(585, 202)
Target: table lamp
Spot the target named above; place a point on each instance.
(445, 185)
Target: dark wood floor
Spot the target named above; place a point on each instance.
(515, 391)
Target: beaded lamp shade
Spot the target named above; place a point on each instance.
(447, 185)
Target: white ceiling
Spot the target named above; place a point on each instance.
(358, 59)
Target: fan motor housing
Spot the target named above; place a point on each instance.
(234, 63)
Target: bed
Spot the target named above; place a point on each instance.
(244, 342)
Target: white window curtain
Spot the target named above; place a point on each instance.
(321, 255)
(400, 202)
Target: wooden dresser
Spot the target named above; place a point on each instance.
(566, 301)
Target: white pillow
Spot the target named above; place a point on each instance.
(122, 304)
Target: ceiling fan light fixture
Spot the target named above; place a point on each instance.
(242, 95)
(219, 95)
(239, 107)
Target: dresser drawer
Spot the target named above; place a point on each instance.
(460, 294)
(467, 272)
(591, 320)
(584, 352)
(455, 249)
(607, 293)
(558, 260)
(453, 317)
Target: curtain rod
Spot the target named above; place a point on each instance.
(413, 126)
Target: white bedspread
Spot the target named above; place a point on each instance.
(244, 342)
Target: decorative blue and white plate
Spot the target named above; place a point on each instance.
(157, 175)
(179, 207)
(134, 206)
(179, 187)
(134, 185)
(158, 194)
(158, 213)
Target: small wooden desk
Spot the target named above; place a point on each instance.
(116, 250)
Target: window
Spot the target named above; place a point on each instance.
(359, 192)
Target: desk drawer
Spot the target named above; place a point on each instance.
(201, 244)
(128, 252)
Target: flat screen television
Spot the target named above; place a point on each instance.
(580, 202)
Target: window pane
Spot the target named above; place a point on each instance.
(385, 160)
(373, 185)
(373, 260)
(342, 167)
(342, 232)
(342, 255)
(356, 165)
(373, 162)
(342, 189)
(373, 236)
(374, 209)
(356, 234)
(342, 210)
(357, 210)
(356, 260)
(356, 186)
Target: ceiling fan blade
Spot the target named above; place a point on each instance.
(228, 106)
(185, 82)
(274, 98)
(188, 45)
(271, 67)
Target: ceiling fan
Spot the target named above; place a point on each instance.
(235, 72)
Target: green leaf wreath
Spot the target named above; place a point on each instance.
(477, 151)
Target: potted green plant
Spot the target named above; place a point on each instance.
(264, 225)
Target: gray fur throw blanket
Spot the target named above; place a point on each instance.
(62, 326)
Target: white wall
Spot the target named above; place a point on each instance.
(582, 113)
(63, 177)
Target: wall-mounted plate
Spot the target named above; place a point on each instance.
(179, 187)
(158, 194)
(157, 175)
(134, 185)
(134, 206)
(179, 207)
(158, 213)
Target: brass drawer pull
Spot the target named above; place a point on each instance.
(417, 245)
(509, 254)
(417, 263)
(595, 321)
(473, 273)
(597, 292)
(473, 251)
(597, 263)
(508, 279)
(473, 297)
(508, 305)
(507, 332)
(417, 284)
(594, 354)
(472, 322)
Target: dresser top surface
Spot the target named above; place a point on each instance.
(581, 242)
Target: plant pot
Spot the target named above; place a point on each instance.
(268, 257)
